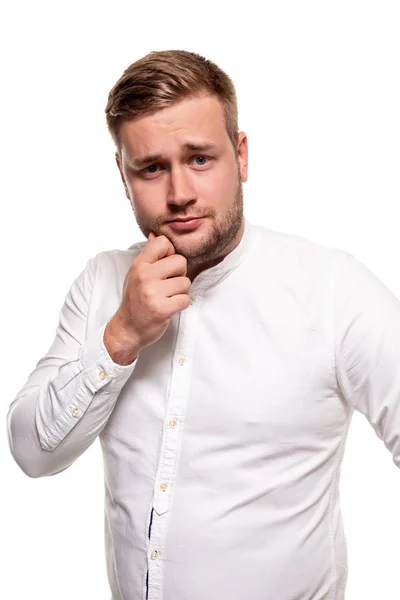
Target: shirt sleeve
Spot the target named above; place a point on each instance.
(367, 349)
(70, 395)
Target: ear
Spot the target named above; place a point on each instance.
(118, 161)
(243, 155)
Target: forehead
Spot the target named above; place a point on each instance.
(197, 119)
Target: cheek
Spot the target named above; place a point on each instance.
(137, 187)
(148, 202)
(145, 195)
(226, 185)
(222, 182)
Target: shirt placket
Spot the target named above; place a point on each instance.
(170, 444)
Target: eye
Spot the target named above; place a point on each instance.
(201, 157)
(154, 168)
(149, 167)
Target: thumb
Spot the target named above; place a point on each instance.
(151, 236)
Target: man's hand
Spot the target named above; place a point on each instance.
(155, 288)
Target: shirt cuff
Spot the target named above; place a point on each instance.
(98, 367)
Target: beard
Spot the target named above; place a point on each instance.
(223, 232)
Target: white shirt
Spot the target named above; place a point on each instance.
(232, 426)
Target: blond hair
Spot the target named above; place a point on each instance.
(162, 78)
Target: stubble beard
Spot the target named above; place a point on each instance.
(223, 232)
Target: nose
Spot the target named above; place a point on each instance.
(181, 189)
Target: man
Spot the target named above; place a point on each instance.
(218, 362)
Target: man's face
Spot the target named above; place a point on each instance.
(178, 181)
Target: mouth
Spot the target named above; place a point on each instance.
(183, 219)
(186, 223)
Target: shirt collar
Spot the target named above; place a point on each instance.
(231, 260)
(229, 263)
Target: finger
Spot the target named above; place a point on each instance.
(156, 248)
(170, 266)
(174, 286)
(177, 303)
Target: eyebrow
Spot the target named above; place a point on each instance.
(140, 161)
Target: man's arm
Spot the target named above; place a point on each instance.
(367, 348)
(68, 398)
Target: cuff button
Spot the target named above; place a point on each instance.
(102, 374)
(75, 412)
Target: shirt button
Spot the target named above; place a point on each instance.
(102, 374)
(192, 300)
(172, 424)
(75, 412)
(164, 487)
(181, 361)
(154, 555)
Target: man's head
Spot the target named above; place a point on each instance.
(173, 118)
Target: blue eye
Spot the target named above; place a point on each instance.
(202, 157)
(153, 169)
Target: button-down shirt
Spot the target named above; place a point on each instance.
(223, 440)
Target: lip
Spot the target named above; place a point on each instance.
(185, 225)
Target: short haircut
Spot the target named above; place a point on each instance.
(162, 78)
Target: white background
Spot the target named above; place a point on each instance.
(319, 97)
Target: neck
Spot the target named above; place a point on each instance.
(195, 270)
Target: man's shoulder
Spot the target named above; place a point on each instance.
(292, 248)
(116, 259)
(301, 268)
(121, 254)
